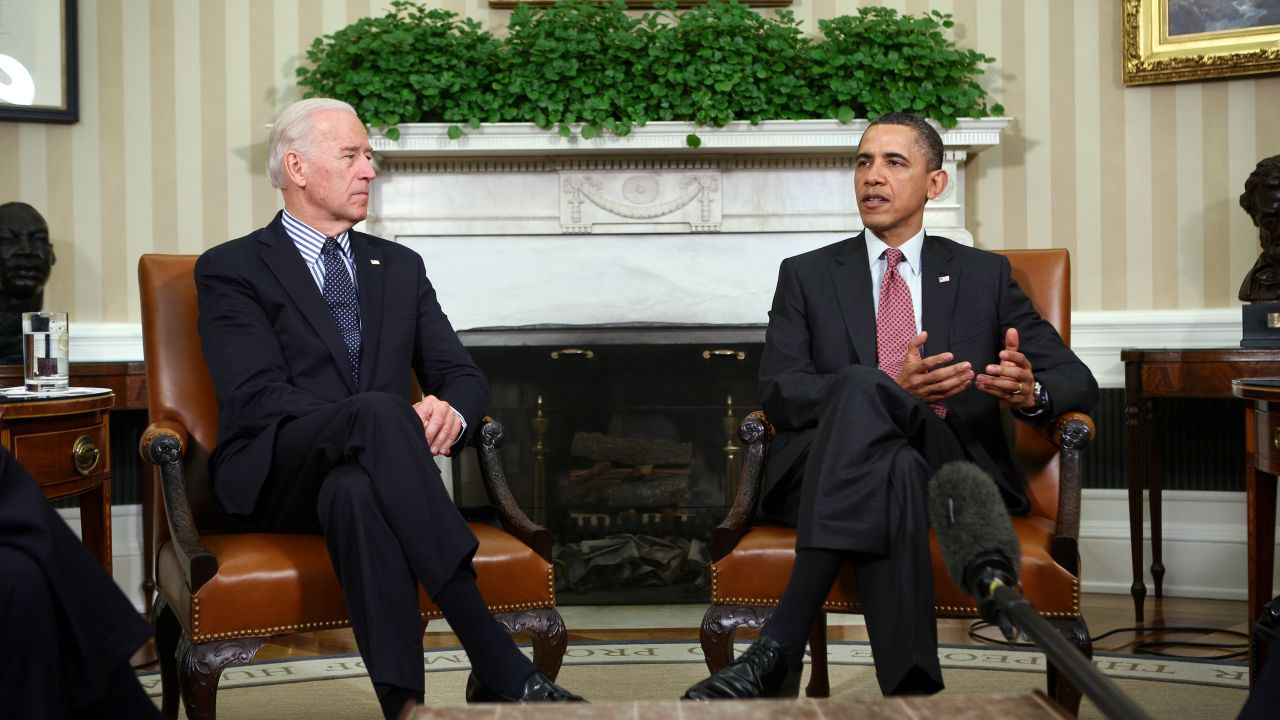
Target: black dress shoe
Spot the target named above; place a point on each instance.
(536, 689)
(760, 672)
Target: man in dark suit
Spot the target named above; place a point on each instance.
(68, 631)
(866, 407)
(310, 331)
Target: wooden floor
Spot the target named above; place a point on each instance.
(1101, 612)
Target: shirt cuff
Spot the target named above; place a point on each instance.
(462, 420)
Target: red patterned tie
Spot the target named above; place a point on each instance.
(896, 321)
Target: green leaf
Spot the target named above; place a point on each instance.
(693, 140)
(590, 62)
(454, 132)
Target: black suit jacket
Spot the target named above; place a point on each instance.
(823, 320)
(97, 627)
(275, 352)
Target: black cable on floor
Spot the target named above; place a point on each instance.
(1147, 647)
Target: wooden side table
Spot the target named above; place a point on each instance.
(1262, 442)
(64, 444)
(1170, 373)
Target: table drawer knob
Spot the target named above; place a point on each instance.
(85, 454)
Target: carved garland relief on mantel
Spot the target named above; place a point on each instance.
(689, 200)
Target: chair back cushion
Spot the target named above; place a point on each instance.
(1045, 276)
(179, 388)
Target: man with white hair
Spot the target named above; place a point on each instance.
(310, 330)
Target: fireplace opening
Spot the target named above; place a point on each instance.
(627, 451)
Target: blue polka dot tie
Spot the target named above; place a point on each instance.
(340, 295)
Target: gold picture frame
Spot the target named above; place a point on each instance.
(1178, 40)
(632, 4)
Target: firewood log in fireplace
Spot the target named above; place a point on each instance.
(627, 473)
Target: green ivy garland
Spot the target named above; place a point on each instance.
(591, 65)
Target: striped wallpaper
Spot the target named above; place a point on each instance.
(1141, 184)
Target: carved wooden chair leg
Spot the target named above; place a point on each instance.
(819, 681)
(547, 632)
(200, 666)
(1059, 687)
(719, 624)
(168, 630)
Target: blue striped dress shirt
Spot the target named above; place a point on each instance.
(309, 242)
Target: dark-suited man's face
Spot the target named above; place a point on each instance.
(26, 256)
(893, 182)
(333, 178)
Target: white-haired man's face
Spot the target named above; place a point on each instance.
(332, 181)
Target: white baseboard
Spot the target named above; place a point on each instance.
(1204, 538)
(1205, 546)
(126, 547)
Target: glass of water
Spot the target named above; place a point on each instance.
(45, 355)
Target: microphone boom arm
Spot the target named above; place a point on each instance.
(1104, 693)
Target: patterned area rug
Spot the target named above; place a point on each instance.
(337, 687)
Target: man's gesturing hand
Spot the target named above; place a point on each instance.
(932, 379)
(439, 422)
(1012, 380)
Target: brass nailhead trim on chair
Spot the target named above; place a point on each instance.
(853, 607)
(196, 637)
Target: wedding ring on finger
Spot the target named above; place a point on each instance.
(1018, 391)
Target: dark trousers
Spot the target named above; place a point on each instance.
(863, 493)
(360, 472)
(66, 629)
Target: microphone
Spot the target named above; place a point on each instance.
(981, 553)
(979, 546)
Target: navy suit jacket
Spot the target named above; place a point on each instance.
(274, 350)
(97, 628)
(823, 319)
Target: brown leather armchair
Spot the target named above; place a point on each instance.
(221, 595)
(751, 563)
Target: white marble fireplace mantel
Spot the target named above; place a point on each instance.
(520, 227)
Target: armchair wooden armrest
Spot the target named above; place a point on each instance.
(164, 444)
(755, 432)
(488, 440)
(1071, 433)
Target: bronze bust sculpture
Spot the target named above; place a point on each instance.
(26, 259)
(1261, 199)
